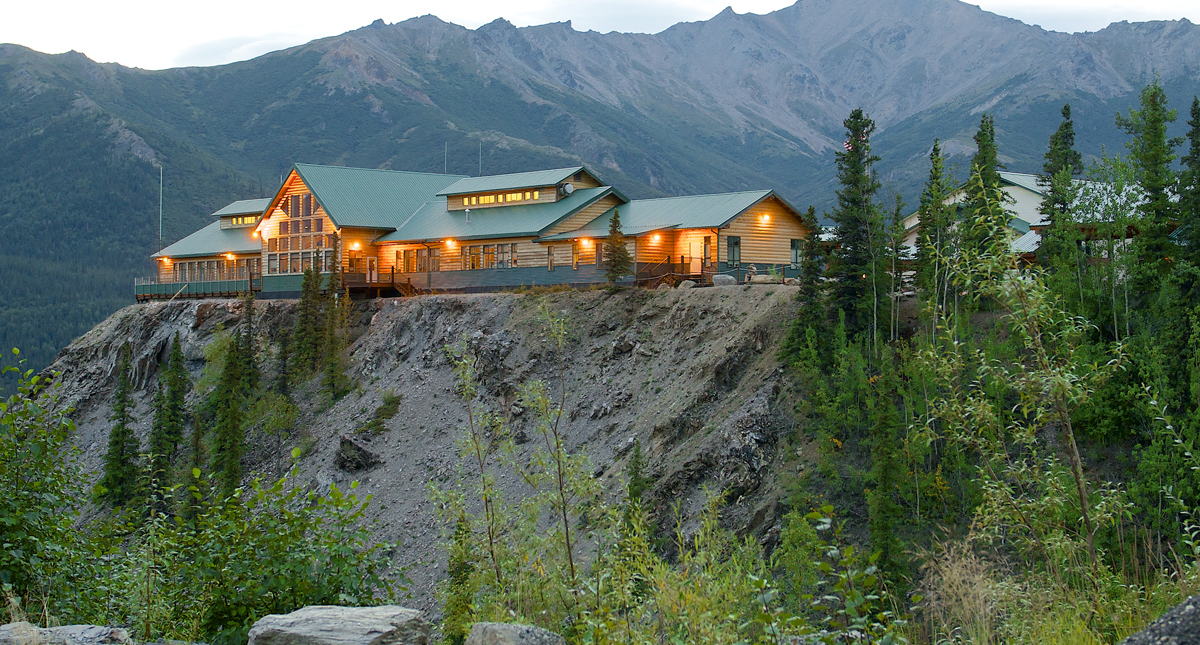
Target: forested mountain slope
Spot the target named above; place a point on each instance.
(734, 102)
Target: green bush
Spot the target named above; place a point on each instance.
(266, 549)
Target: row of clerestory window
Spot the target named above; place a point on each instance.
(502, 198)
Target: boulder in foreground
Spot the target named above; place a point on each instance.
(1179, 626)
(328, 625)
(23, 633)
(506, 634)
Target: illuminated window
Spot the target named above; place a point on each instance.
(535, 195)
(526, 195)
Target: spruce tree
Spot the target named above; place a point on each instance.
(246, 350)
(119, 484)
(985, 164)
(1152, 153)
(167, 429)
(310, 328)
(177, 387)
(1189, 187)
(281, 362)
(1062, 153)
(617, 262)
(934, 224)
(229, 442)
(197, 460)
(811, 312)
(160, 458)
(886, 470)
(859, 227)
(1060, 157)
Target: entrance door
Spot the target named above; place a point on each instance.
(372, 269)
(697, 256)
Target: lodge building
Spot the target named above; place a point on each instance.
(404, 233)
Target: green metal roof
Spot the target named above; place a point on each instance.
(1027, 243)
(496, 183)
(692, 211)
(1026, 181)
(245, 207)
(368, 198)
(213, 240)
(432, 222)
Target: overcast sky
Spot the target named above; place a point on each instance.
(157, 35)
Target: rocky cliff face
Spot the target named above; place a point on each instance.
(690, 374)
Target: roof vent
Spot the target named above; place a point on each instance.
(568, 189)
(468, 216)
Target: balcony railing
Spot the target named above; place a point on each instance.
(223, 287)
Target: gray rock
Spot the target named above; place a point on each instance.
(764, 279)
(352, 456)
(722, 280)
(686, 284)
(326, 625)
(664, 287)
(1179, 626)
(28, 634)
(505, 634)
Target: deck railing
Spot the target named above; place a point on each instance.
(153, 289)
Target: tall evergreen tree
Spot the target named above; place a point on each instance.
(119, 484)
(617, 262)
(167, 429)
(160, 458)
(247, 352)
(935, 219)
(859, 227)
(1152, 153)
(1189, 186)
(886, 469)
(811, 312)
(229, 442)
(177, 387)
(1060, 157)
(1062, 153)
(985, 164)
(310, 329)
(285, 353)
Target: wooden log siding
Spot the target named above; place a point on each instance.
(529, 254)
(578, 220)
(270, 226)
(686, 238)
(766, 242)
(651, 252)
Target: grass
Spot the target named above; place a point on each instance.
(386, 410)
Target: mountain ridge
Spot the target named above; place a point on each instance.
(736, 102)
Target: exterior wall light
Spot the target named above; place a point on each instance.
(228, 256)
(657, 237)
(449, 244)
(355, 246)
(586, 242)
(254, 234)
(766, 218)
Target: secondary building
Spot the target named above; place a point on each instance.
(403, 233)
